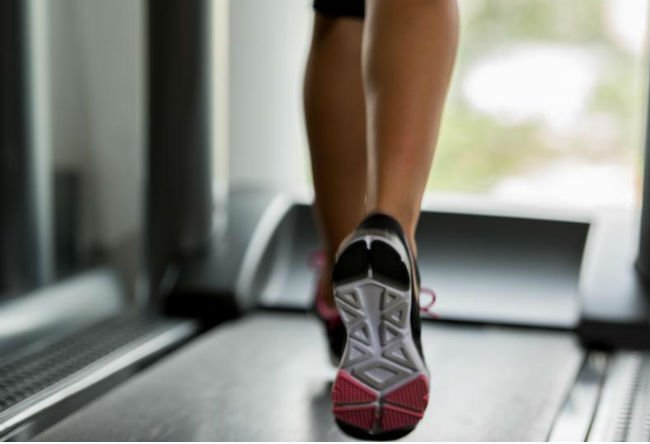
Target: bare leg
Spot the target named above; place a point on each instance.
(409, 48)
(336, 128)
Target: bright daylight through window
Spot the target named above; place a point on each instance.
(548, 103)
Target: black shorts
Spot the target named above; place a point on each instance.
(341, 8)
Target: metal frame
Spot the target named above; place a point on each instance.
(575, 417)
(22, 421)
(643, 258)
(60, 309)
(179, 213)
(25, 231)
(626, 381)
(615, 281)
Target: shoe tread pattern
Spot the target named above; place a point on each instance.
(380, 356)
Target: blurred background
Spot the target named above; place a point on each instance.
(547, 103)
(546, 108)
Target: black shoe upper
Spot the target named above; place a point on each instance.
(336, 341)
(332, 323)
(384, 222)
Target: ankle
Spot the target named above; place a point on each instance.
(410, 238)
(325, 284)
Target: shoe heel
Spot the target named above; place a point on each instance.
(382, 384)
(359, 406)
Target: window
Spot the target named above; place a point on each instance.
(547, 103)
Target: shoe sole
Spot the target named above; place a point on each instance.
(382, 385)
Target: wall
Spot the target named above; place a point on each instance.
(268, 49)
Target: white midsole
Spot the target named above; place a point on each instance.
(380, 351)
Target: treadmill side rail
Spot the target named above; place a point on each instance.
(576, 415)
(624, 410)
(615, 304)
(218, 283)
(47, 384)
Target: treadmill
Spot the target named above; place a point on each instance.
(544, 321)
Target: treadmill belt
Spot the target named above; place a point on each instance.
(267, 377)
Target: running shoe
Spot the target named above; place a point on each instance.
(327, 313)
(382, 386)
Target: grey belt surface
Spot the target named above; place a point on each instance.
(268, 377)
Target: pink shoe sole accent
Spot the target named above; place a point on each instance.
(394, 418)
(360, 406)
(348, 390)
(413, 395)
(404, 406)
(358, 416)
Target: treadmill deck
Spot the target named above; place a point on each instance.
(268, 377)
